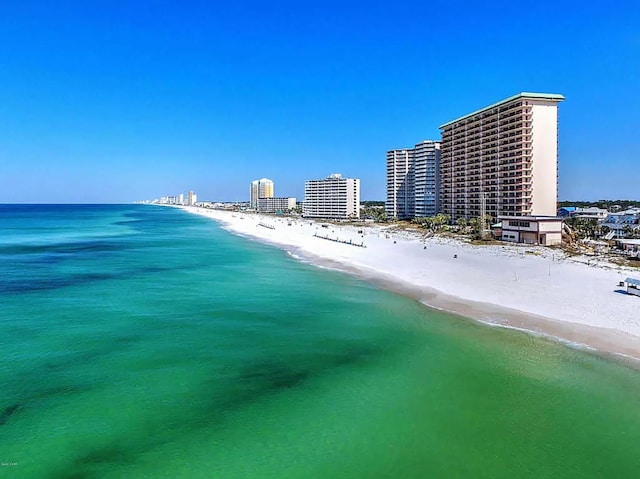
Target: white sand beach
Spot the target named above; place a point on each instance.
(537, 289)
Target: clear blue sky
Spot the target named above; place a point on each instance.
(112, 101)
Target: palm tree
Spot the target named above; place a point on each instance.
(592, 227)
(627, 230)
(479, 225)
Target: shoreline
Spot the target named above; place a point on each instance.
(620, 341)
(607, 343)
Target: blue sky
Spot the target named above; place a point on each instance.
(112, 101)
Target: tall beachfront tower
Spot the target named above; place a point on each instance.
(262, 188)
(505, 155)
(192, 198)
(333, 197)
(427, 178)
(413, 181)
(400, 184)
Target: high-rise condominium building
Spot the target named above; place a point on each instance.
(332, 197)
(413, 181)
(400, 202)
(262, 188)
(192, 198)
(427, 178)
(502, 159)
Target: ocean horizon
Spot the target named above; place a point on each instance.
(140, 341)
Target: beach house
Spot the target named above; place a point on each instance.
(623, 223)
(542, 230)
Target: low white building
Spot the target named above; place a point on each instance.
(275, 205)
(628, 245)
(542, 230)
(591, 213)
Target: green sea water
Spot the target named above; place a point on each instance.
(144, 342)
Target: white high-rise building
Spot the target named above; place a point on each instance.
(400, 202)
(262, 188)
(333, 197)
(502, 159)
(181, 199)
(192, 198)
(413, 181)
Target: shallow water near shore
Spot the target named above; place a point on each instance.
(138, 341)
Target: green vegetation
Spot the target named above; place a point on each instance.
(433, 223)
(480, 227)
(377, 214)
(477, 228)
(586, 227)
(371, 203)
(589, 228)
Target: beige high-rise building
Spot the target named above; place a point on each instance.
(505, 156)
(262, 188)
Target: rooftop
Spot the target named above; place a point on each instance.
(530, 218)
(538, 96)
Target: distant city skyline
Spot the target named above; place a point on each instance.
(102, 103)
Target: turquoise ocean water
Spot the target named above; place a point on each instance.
(139, 341)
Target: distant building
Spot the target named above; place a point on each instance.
(566, 211)
(623, 223)
(413, 181)
(505, 155)
(628, 245)
(192, 198)
(262, 188)
(275, 205)
(170, 200)
(180, 200)
(333, 197)
(542, 230)
(591, 212)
